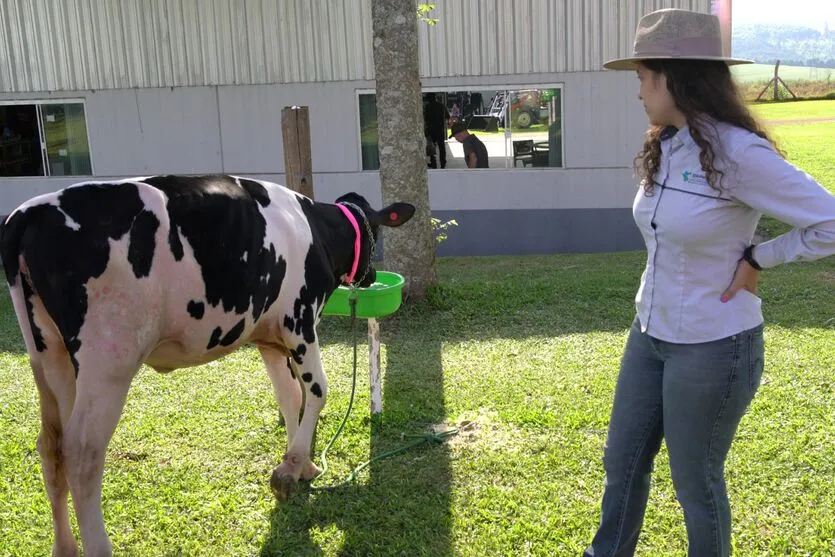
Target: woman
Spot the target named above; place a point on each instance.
(694, 355)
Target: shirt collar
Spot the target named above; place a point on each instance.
(673, 138)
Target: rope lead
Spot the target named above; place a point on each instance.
(429, 437)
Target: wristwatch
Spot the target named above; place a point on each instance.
(748, 256)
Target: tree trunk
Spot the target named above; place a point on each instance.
(408, 250)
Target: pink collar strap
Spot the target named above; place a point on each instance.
(350, 216)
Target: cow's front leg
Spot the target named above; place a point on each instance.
(296, 463)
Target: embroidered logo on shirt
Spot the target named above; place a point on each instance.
(694, 178)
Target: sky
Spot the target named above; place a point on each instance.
(811, 13)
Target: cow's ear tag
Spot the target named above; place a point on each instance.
(393, 216)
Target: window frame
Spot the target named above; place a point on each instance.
(57, 100)
(451, 88)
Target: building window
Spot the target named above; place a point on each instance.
(368, 132)
(520, 127)
(44, 139)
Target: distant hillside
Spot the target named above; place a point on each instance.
(792, 45)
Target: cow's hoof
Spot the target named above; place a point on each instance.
(67, 550)
(282, 485)
(310, 471)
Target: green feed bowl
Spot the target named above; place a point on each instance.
(378, 300)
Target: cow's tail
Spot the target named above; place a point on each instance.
(11, 238)
(14, 232)
(20, 286)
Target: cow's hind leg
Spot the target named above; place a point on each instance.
(55, 379)
(288, 395)
(296, 463)
(56, 389)
(101, 390)
(286, 387)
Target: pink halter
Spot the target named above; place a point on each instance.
(350, 216)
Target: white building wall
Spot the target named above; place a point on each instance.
(237, 129)
(197, 86)
(72, 45)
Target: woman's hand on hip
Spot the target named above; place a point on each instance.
(746, 277)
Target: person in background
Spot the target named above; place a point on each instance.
(431, 161)
(694, 355)
(475, 153)
(455, 113)
(435, 117)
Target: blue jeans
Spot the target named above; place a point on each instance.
(693, 396)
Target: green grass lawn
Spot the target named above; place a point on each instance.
(795, 110)
(535, 128)
(810, 147)
(521, 353)
(525, 351)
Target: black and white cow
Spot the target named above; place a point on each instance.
(172, 271)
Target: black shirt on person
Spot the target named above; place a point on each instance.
(472, 144)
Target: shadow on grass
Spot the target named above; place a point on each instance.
(400, 505)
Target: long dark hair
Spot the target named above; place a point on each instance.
(703, 90)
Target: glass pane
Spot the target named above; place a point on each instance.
(67, 148)
(554, 127)
(20, 141)
(484, 114)
(368, 132)
(518, 128)
(536, 127)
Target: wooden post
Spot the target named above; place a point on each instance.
(298, 160)
(776, 80)
(780, 79)
(374, 366)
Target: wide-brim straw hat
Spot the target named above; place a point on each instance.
(675, 34)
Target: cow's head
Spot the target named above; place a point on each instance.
(369, 222)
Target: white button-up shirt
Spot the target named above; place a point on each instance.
(695, 235)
